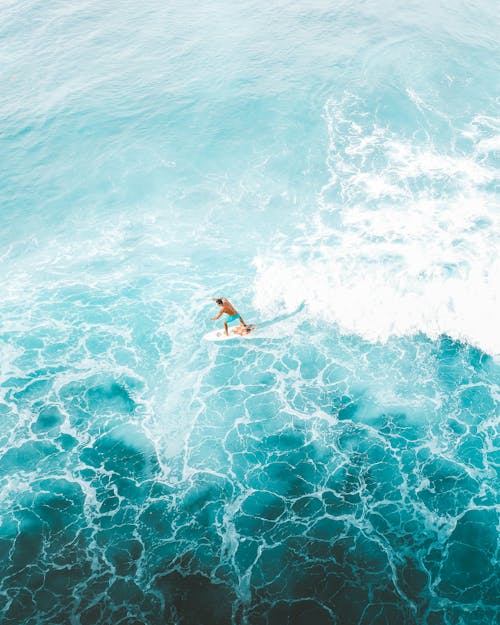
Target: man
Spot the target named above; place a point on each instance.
(227, 308)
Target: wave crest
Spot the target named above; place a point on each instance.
(404, 238)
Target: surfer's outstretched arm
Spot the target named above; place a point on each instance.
(218, 316)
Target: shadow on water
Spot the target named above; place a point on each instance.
(279, 318)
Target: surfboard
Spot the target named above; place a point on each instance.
(220, 335)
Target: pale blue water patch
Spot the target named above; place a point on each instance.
(331, 168)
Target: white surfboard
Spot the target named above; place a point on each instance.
(220, 335)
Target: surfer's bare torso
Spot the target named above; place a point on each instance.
(227, 308)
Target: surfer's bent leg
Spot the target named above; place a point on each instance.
(225, 328)
(243, 322)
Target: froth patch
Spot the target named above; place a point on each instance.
(379, 302)
(404, 239)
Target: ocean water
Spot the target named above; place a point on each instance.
(332, 168)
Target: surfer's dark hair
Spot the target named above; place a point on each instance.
(219, 301)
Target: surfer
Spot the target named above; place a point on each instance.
(227, 308)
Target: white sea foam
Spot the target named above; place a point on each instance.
(412, 246)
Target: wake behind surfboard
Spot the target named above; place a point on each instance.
(220, 335)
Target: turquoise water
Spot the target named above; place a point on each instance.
(332, 168)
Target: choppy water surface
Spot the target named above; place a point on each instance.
(333, 168)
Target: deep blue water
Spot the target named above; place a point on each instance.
(332, 168)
